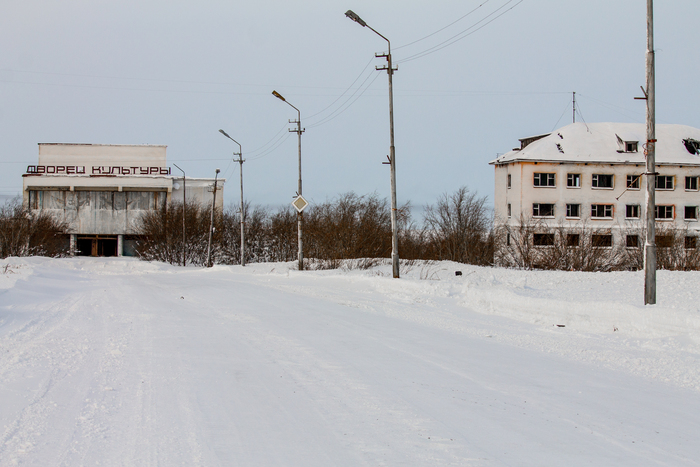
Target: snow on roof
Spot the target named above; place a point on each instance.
(604, 142)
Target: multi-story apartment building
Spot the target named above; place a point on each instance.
(592, 176)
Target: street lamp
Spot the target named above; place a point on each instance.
(392, 154)
(300, 214)
(211, 220)
(184, 209)
(240, 161)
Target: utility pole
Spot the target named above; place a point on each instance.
(300, 214)
(650, 94)
(240, 161)
(184, 211)
(392, 151)
(211, 220)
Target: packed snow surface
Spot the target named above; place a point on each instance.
(117, 362)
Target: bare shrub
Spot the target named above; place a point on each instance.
(535, 245)
(459, 226)
(161, 232)
(31, 233)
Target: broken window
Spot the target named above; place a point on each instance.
(602, 211)
(664, 182)
(664, 212)
(544, 179)
(542, 210)
(573, 239)
(633, 182)
(509, 210)
(508, 181)
(632, 241)
(691, 213)
(602, 181)
(693, 146)
(691, 242)
(627, 146)
(632, 211)
(691, 183)
(573, 180)
(573, 210)
(664, 241)
(543, 239)
(601, 240)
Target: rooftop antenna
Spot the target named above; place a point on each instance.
(574, 113)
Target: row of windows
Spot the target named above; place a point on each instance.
(607, 181)
(606, 211)
(606, 240)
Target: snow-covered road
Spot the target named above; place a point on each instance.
(119, 362)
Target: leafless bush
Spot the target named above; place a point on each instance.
(27, 233)
(459, 228)
(533, 244)
(161, 234)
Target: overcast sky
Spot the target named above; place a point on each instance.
(174, 73)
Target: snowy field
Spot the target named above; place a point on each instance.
(116, 362)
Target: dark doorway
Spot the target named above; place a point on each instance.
(97, 246)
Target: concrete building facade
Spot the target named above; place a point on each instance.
(101, 191)
(592, 175)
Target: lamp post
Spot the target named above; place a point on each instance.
(184, 210)
(300, 214)
(392, 154)
(211, 220)
(240, 161)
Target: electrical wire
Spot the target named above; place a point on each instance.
(344, 92)
(351, 101)
(442, 29)
(465, 33)
(562, 114)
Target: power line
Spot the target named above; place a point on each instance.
(465, 33)
(340, 109)
(442, 29)
(344, 92)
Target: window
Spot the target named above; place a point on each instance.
(664, 241)
(664, 212)
(602, 211)
(633, 182)
(509, 210)
(602, 181)
(544, 179)
(508, 239)
(573, 239)
(627, 146)
(573, 180)
(691, 242)
(664, 182)
(573, 210)
(542, 210)
(601, 240)
(691, 213)
(691, 183)
(508, 181)
(632, 241)
(632, 211)
(546, 239)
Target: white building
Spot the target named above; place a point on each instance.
(592, 175)
(102, 190)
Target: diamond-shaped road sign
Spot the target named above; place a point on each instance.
(299, 203)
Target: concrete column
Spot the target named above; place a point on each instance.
(120, 245)
(73, 243)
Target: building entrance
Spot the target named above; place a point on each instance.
(97, 245)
